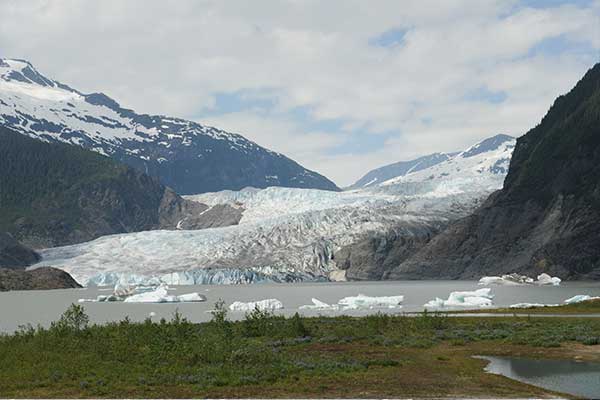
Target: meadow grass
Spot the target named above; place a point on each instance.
(267, 355)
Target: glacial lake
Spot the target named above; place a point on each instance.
(580, 379)
(42, 307)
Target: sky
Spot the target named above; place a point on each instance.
(341, 86)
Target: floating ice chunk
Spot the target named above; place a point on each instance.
(475, 299)
(531, 305)
(319, 305)
(580, 298)
(123, 289)
(367, 302)
(263, 305)
(160, 295)
(507, 280)
(191, 297)
(545, 279)
(516, 280)
(144, 294)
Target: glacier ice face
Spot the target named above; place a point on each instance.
(472, 299)
(262, 305)
(285, 234)
(284, 247)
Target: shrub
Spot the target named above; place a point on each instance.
(298, 327)
(73, 319)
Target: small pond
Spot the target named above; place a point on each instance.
(580, 379)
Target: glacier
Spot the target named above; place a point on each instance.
(287, 234)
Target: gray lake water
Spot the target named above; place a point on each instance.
(581, 379)
(42, 307)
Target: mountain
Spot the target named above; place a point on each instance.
(290, 234)
(36, 279)
(547, 216)
(14, 258)
(473, 174)
(54, 194)
(398, 169)
(186, 156)
(14, 255)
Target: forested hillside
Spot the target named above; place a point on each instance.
(55, 194)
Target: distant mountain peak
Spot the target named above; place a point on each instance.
(402, 170)
(17, 70)
(185, 155)
(486, 145)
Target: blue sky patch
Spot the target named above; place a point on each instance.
(391, 38)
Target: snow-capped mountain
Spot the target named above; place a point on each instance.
(288, 234)
(395, 173)
(481, 167)
(401, 168)
(189, 157)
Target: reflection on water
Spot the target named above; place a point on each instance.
(566, 376)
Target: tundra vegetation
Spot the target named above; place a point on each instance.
(268, 355)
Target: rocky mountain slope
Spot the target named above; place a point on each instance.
(14, 255)
(547, 216)
(54, 194)
(186, 156)
(478, 170)
(36, 279)
(289, 234)
(14, 258)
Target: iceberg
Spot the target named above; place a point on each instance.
(507, 280)
(191, 298)
(367, 302)
(319, 305)
(142, 294)
(124, 289)
(474, 299)
(263, 305)
(580, 298)
(531, 305)
(545, 279)
(515, 279)
(159, 295)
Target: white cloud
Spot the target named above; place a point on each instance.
(174, 57)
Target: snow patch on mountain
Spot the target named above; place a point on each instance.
(185, 155)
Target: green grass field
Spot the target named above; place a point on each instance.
(272, 356)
